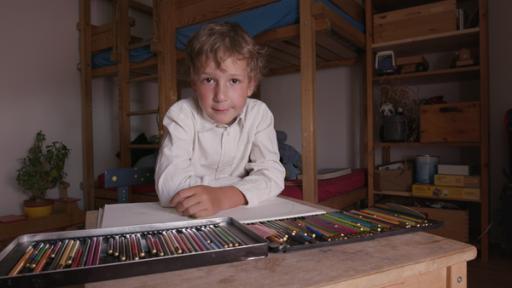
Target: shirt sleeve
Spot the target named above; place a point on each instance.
(265, 177)
(174, 169)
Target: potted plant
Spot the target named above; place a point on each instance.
(42, 169)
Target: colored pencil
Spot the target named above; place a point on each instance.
(90, 254)
(97, 251)
(199, 243)
(133, 245)
(116, 246)
(58, 255)
(85, 252)
(142, 252)
(78, 257)
(191, 241)
(44, 259)
(168, 243)
(72, 253)
(55, 249)
(149, 242)
(22, 262)
(163, 244)
(175, 243)
(38, 253)
(63, 257)
(159, 248)
(184, 248)
(122, 249)
(110, 249)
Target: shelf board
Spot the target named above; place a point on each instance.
(381, 6)
(394, 193)
(143, 146)
(449, 41)
(434, 76)
(419, 144)
(409, 194)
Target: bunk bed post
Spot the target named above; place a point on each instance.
(166, 51)
(122, 28)
(370, 156)
(307, 80)
(86, 99)
(484, 131)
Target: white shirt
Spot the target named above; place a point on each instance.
(197, 151)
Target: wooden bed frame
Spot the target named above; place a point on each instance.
(322, 39)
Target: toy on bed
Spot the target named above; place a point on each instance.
(290, 157)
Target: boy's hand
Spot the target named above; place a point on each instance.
(202, 200)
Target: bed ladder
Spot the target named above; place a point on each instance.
(165, 74)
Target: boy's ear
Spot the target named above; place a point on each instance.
(252, 88)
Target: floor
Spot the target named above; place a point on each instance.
(496, 273)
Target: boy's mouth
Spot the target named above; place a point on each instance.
(220, 109)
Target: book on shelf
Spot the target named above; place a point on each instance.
(329, 173)
(449, 169)
(457, 180)
(448, 192)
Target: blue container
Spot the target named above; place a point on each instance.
(426, 168)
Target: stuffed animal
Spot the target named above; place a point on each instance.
(290, 157)
(387, 109)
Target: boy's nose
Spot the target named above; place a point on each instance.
(219, 95)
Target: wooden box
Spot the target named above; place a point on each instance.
(393, 180)
(453, 122)
(422, 20)
(455, 222)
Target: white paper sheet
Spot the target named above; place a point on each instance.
(117, 215)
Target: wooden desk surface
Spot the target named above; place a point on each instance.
(410, 260)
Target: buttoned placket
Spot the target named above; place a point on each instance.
(223, 146)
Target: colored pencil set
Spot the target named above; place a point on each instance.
(52, 255)
(337, 226)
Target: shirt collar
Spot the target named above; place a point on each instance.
(208, 123)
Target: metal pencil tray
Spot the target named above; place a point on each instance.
(256, 247)
(433, 224)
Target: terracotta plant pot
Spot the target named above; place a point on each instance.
(38, 208)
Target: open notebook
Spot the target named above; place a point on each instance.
(117, 215)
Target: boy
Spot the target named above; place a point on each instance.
(220, 150)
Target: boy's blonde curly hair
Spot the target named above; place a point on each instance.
(217, 42)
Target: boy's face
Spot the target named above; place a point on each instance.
(222, 91)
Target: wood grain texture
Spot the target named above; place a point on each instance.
(384, 262)
(307, 84)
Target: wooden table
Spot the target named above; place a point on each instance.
(410, 260)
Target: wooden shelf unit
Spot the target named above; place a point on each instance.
(422, 144)
(449, 41)
(409, 194)
(473, 38)
(434, 76)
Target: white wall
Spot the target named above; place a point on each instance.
(39, 88)
(337, 108)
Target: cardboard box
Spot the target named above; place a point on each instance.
(457, 181)
(453, 122)
(422, 20)
(455, 222)
(393, 180)
(446, 192)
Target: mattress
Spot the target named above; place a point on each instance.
(255, 21)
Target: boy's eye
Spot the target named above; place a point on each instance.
(208, 80)
(234, 81)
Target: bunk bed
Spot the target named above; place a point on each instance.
(302, 35)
